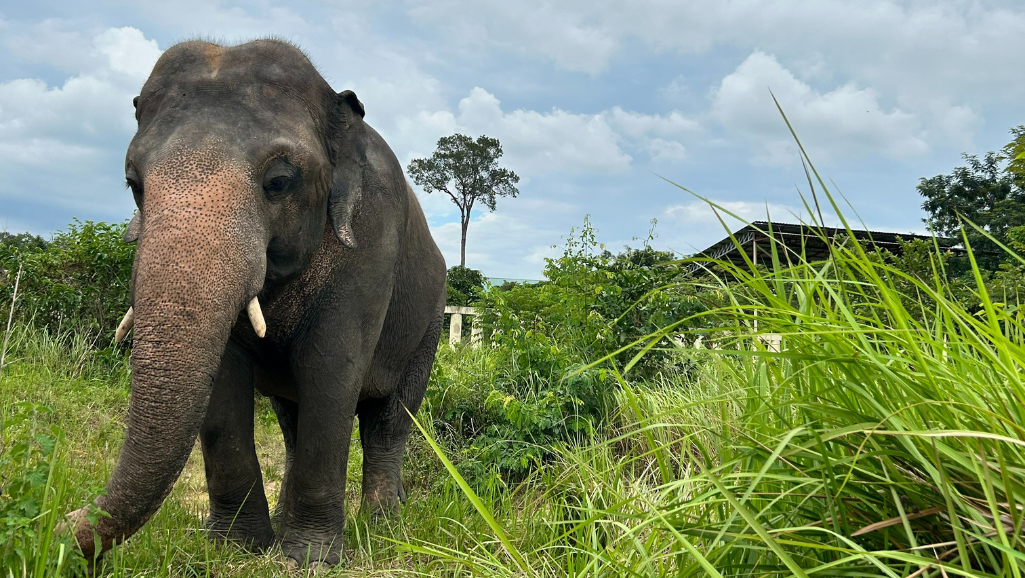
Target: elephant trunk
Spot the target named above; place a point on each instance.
(201, 258)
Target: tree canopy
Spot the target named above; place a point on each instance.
(465, 285)
(989, 192)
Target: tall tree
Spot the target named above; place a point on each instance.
(989, 192)
(467, 171)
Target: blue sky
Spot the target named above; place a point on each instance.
(593, 101)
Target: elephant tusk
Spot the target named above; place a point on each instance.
(256, 317)
(125, 326)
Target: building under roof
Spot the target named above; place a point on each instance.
(809, 240)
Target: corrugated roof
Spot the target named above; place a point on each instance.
(800, 239)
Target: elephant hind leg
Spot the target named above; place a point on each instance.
(288, 419)
(384, 426)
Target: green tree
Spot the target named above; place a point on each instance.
(467, 171)
(21, 241)
(465, 285)
(989, 192)
(1014, 152)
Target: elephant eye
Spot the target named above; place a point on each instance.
(279, 178)
(132, 182)
(277, 184)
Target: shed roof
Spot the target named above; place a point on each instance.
(798, 239)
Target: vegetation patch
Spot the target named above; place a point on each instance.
(594, 434)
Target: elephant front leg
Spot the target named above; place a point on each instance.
(311, 514)
(238, 505)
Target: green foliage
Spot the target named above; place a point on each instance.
(464, 285)
(79, 280)
(22, 241)
(989, 192)
(536, 393)
(1014, 152)
(601, 302)
(884, 439)
(30, 489)
(467, 170)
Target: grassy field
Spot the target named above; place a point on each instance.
(887, 438)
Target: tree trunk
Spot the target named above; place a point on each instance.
(465, 222)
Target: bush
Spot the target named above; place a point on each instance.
(514, 403)
(78, 281)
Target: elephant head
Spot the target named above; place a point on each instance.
(243, 158)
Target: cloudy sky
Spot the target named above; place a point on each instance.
(594, 101)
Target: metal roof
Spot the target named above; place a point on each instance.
(800, 239)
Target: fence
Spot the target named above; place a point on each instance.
(772, 341)
(455, 325)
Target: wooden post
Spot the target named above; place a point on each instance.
(754, 261)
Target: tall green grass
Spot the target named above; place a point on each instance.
(886, 439)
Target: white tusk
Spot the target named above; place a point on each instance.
(125, 326)
(256, 317)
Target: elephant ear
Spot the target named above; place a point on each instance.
(349, 159)
(134, 226)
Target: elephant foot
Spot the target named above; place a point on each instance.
(312, 555)
(255, 536)
(382, 497)
(312, 569)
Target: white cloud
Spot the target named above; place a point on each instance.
(844, 121)
(384, 71)
(678, 90)
(509, 243)
(915, 47)
(89, 103)
(666, 150)
(69, 131)
(924, 71)
(533, 142)
(556, 141)
(53, 42)
(699, 211)
(225, 22)
(571, 41)
(635, 124)
(128, 51)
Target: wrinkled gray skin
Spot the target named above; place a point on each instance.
(254, 178)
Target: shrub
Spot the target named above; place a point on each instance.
(515, 402)
(79, 280)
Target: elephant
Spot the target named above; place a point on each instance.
(280, 251)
